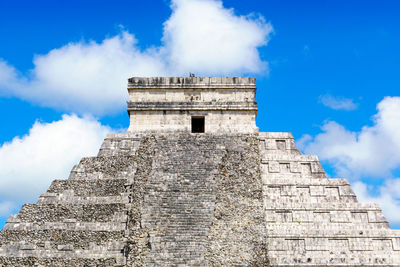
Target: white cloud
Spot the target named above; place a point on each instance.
(388, 197)
(201, 36)
(373, 151)
(8, 79)
(48, 152)
(7, 72)
(338, 102)
(83, 77)
(6, 208)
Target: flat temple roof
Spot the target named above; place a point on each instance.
(192, 82)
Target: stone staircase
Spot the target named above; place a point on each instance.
(182, 192)
(180, 199)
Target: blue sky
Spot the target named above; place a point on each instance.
(327, 71)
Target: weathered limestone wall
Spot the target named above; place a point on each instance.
(316, 221)
(120, 144)
(192, 82)
(180, 121)
(237, 236)
(196, 95)
(167, 104)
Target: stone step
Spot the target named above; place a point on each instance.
(296, 177)
(68, 197)
(24, 249)
(293, 165)
(327, 258)
(361, 225)
(71, 225)
(309, 191)
(334, 206)
(317, 213)
(283, 158)
(288, 181)
(80, 213)
(94, 187)
(119, 145)
(307, 198)
(62, 259)
(337, 233)
(104, 167)
(51, 239)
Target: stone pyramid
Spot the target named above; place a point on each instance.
(193, 183)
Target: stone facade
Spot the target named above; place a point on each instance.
(168, 104)
(220, 198)
(312, 220)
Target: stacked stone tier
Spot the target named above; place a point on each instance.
(315, 221)
(77, 222)
(191, 106)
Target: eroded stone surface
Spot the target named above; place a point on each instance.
(167, 104)
(315, 221)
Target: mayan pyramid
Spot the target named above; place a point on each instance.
(193, 183)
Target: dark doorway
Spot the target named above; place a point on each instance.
(197, 124)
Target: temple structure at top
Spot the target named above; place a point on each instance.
(192, 104)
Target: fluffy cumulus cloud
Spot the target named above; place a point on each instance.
(204, 37)
(373, 153)
(82, 77)
(337, 103)
(9, 80)
(28, 164)
(201, 36)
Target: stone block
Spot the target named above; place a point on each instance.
(273, 167)
(317, 190)
(317, 244)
